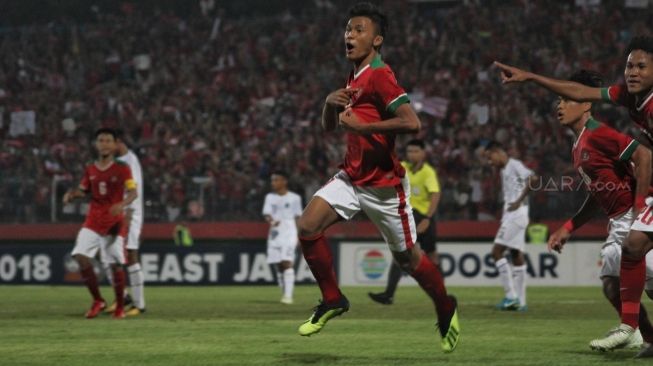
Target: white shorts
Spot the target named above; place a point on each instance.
(134, 235)
(282, 244)
(644, 221)
(512, 232)
(111, 247)
(281, 253)
(618, 230)
(387, 207)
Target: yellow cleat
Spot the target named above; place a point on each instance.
(323, 312)
(134, 311)
(451, 337)
(111, 308)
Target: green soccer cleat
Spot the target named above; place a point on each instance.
(450, 330)
(323, 313)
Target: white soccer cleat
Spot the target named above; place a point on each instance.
(636, 341)
(616, 338)
(287, 300)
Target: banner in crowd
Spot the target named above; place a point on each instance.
(221, 263)
(470, 264)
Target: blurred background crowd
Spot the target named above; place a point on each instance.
(214, 95)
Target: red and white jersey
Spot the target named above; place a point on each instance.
(602, 157)
(371, 159)
(107, 187)
(641, 113)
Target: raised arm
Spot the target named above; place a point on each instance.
(568, 89)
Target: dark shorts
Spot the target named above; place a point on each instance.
(427, 239)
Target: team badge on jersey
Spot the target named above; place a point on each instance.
(585, 155)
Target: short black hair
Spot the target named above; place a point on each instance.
(371, 11)
(644, 43)
(280, 173)
(120, 134)
(587, 77)
(107, 131)
(416, 142)
(493, 145)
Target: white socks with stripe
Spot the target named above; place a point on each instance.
(505, 274)
(136, 283)
(520, 283)
(288, 282)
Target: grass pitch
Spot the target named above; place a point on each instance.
(247, 326)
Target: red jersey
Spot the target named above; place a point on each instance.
(641, 114)
(602, 157)
(107, 187)
(371, 159)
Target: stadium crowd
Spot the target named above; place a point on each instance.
(214, 99)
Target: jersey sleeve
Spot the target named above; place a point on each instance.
(614, 144)
(432, 183)
(267, 206)
(388, 91)
(297, 209)
(130, 183)
(522, 171)
(616, 94)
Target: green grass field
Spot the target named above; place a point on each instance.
(247, 326)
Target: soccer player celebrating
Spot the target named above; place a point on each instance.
(281, 210)
(516, 183)
(637, 96)
(134, 216)
(424, 198)
(373, 109)
(106, 180)
(603, 159)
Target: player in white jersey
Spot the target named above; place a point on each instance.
(516, 180)
(134, 216)
(281, 210)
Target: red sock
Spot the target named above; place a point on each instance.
(119, 287)
(319, 259)
(633, 278)
(90, 280)
(430, 279)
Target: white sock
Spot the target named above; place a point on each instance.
(108, 272)
(288, 282)
(520, 283)
(280, 280)
(505, 273)
(137, 283)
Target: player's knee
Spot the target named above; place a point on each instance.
(308, 227)
(83, 261)
(635, 246)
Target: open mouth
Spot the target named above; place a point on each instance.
(349, 47)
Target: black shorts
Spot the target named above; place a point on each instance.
(427, 239)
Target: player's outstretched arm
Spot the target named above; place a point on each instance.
(405, 121)
(568, 89)
(587, 211)
(334, 104)
(641, 158)
(73, 194)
